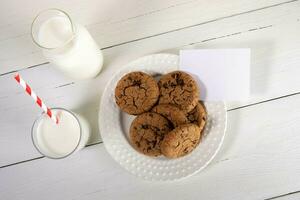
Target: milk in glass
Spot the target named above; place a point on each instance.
(60, 140)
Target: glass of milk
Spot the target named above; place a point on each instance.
(66, 44)
(60, 140)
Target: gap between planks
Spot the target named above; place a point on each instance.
(147, 13)
(230, 110)
(194, 43)
(283, 195)
(38, 158)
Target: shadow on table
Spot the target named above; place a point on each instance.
(90, 112)
(232, 131)
(261, 57)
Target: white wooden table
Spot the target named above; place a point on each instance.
(261, 155)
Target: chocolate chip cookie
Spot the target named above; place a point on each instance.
(172, 113)
(147, 131)
(180, 141)
(136, 93)
(198, 115)
(180, 89)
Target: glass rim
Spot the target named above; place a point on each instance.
(65, 43)
(39, 117)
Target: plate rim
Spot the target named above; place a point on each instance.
(108, 149)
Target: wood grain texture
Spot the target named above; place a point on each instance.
(260, 157)
(258, 160)
(110, 22)
(274, 71)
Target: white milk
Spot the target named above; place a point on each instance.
(59, 140)
(81, 58)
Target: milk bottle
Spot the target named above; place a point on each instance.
(66, 44)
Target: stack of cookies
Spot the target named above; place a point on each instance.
(170, 117)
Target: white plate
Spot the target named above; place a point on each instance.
(114, 128)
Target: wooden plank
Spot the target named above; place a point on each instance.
(275, 70)
(87, 12)
(259, 160)
(110, 22)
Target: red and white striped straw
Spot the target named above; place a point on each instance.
(37, 99)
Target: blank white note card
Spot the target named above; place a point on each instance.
(223, 74)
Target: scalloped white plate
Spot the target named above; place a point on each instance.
(114, 128)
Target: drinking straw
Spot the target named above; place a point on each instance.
(37, 99)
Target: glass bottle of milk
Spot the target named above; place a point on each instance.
(66, 44)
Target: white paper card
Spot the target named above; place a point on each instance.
(223, 74)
